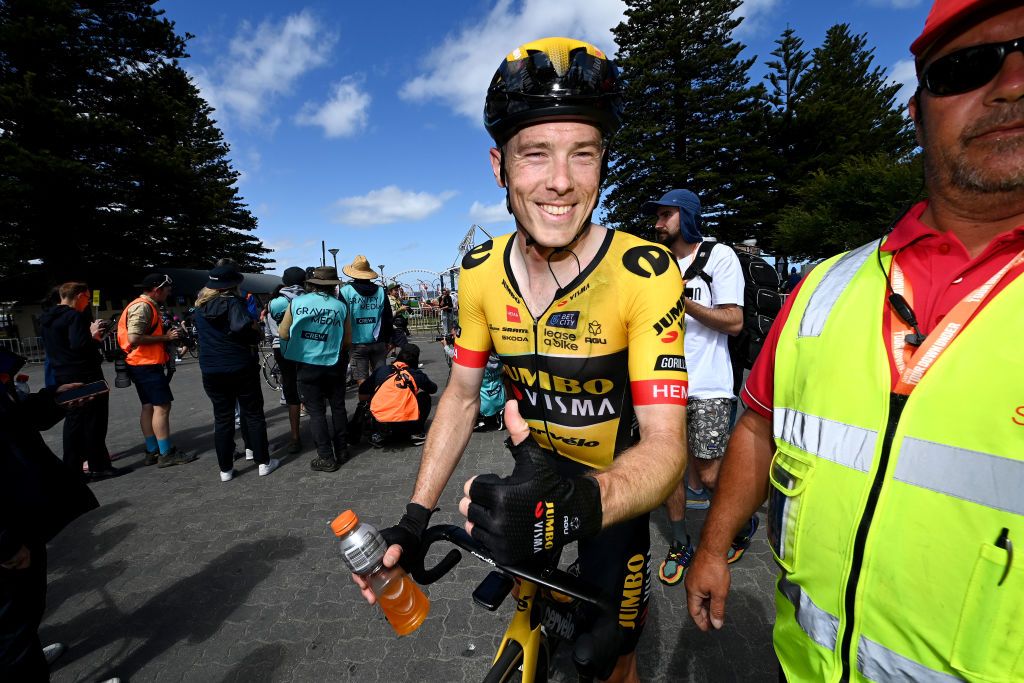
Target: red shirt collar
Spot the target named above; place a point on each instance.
(909, 229)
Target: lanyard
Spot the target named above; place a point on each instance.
(912, 365)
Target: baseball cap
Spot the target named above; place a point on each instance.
(293, 276)
(224, 277)
(944, 16)
(689, 212)
(155, 280)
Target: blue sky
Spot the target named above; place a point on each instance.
(358, 123)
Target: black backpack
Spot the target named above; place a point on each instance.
(761, 303)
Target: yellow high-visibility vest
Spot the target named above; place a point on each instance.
(886, 512)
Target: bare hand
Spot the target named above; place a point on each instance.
(707, 585)
(518, 431)
(97, 328)
(175, 333)
(391, 556)
(21, 560)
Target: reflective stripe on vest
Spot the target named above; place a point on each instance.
(831, 287)
(879, 663)
(843, 444)
(876, 662)
(980, 478)
(819, 625)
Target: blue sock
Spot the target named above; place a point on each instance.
(151, 444)
(165, 446)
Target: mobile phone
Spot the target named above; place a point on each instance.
(84, 391)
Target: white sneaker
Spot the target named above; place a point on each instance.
(53, 652)
(269, 467)
(248, 454)
(227, 476)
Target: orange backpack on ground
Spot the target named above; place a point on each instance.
(395, 399)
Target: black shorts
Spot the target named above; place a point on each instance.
(288, 385)
(152, 384)
(618, 562)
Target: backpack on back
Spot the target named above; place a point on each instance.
(395, 399)
(761, 303)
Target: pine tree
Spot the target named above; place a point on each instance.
(848, 206)
(88, 93)
(842, 120)
(692, 118)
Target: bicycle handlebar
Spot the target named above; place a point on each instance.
(549, 577)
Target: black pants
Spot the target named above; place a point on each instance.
(85, 428)
(243, 387)
(22, 602)
(320, 386)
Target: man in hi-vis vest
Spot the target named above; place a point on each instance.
(370, 316)
(886, 425)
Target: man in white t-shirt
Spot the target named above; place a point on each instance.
(714, 311)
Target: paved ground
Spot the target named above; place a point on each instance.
(179, 577)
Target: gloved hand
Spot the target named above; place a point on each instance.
(533, 510)
(408, 534)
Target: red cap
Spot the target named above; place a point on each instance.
(944, 15)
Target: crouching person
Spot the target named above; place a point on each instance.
(398, 398)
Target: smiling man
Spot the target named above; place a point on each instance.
(881, 425)
(588, 324)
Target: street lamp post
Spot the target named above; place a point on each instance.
(334, 255)
(383, 281)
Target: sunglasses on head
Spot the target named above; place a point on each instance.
(968, 69)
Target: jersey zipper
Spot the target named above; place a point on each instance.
(536, 364)
(897, 402)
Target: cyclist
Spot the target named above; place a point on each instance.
(588, 323)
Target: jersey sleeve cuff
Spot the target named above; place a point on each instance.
(469, 358)
(659, 392)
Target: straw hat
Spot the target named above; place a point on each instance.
(360, 269)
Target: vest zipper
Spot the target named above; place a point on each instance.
(897, 402)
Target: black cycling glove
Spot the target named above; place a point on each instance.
(533, 510)
(408, 533)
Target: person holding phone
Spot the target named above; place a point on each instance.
(71, 339)
(38, 498)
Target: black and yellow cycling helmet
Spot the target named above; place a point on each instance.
(553, 77)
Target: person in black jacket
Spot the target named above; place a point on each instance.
(228, 337)
(71, 339)
(38, 498)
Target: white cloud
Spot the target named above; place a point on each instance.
(342, 115)
(263, 62)
(389, 204)
(459, 70)
(754, 13)
(492, 213)
(904, 73)
(896, 4)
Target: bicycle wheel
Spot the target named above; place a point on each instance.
(271, 373)
(193, 348)
(506, 669)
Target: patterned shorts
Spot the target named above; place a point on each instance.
(707, 426)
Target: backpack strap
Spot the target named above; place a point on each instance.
(700, 261)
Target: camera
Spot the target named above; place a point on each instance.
(121, 379)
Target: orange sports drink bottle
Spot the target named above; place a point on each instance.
(362, 547)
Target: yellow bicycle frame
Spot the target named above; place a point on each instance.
(519, 630)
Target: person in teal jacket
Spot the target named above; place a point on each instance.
(371, 318)
(315, 334)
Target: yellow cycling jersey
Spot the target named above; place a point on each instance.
(611, 339)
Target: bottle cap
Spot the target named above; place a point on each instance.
(344, 523)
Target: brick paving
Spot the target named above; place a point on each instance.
(180, 577)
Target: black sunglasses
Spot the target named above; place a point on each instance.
(968, 69)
